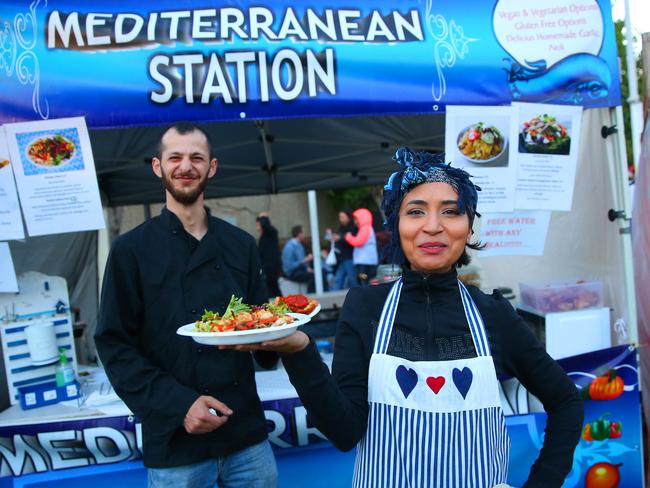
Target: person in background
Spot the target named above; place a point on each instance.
(296, 264)
(269, 248)
(364, 243)
(418, 412)
(202, 420)
(328, 270)
(346, 274)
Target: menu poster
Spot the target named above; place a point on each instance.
(55, 175)
(519, 233)
(548, 139)
(11, 222)
(478, 139)
(8, 283)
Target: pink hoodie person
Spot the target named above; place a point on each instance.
(364, 243)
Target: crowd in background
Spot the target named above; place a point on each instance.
(349, 258)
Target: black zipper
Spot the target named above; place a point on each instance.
(428, 345)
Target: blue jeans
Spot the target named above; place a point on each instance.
(344, 270)
(252, 467)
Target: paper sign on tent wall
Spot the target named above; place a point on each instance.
(8, 283)
(11, 222)
(55, 176)
(547, 145)
(479, 140)
(520, 233)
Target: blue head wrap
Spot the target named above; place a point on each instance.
(417, 168)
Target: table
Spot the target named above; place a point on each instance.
(99, 445)
(80, 443)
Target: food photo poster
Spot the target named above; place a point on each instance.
(480, 140)
(8, 283)
(55, 174)
(547, 145)
(11, 222)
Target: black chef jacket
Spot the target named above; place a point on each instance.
(158, 278)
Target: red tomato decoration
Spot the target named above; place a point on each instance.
(603, 475)
(298, 303)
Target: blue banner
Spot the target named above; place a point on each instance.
(610, 447)
(610, 450)
(154, 62)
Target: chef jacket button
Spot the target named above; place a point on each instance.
(217, 267)
(199, 350)
(193, 310)
(206, 391)
(235, 383)
(175, 232)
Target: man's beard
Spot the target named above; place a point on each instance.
(183, 197)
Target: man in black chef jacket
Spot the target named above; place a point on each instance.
(202, 420)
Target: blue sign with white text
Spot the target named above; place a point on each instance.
(155, 62)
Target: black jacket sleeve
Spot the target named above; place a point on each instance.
(337, 403)
(145, 388)
(526, 359)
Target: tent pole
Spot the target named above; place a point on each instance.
(645, 54)
(315, 240)
(103, 248)
(621, 195)
(636, 107)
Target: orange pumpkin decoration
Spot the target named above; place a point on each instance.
(605, 387)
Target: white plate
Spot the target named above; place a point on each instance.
(315, 311)
(481, 161)
(243, 336)
(50, 136)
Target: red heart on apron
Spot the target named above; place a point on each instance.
(435, 383)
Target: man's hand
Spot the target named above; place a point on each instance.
(200, 418)
(292, 343)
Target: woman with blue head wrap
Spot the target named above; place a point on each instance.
(415, 169)
(414, 376)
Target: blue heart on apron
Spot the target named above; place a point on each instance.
(407, 379)
(462, 380)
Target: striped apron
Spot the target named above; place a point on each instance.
(432, 423)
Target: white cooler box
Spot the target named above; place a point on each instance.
(577, 332)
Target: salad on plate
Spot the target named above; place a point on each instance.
(543, 134)
(240, 316)
(50, 150)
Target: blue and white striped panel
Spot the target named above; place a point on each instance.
(387, 318)
(411, 448)
(18, 365)
(475, 321)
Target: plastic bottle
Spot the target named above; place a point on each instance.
(64, 370)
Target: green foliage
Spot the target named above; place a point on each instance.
(621, 47)
(353, 198)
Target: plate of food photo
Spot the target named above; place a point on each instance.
(50, 151)
(543, 134)
(243, 324)
(481, 143)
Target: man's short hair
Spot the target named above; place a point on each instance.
(296, 230)
(182, 128)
